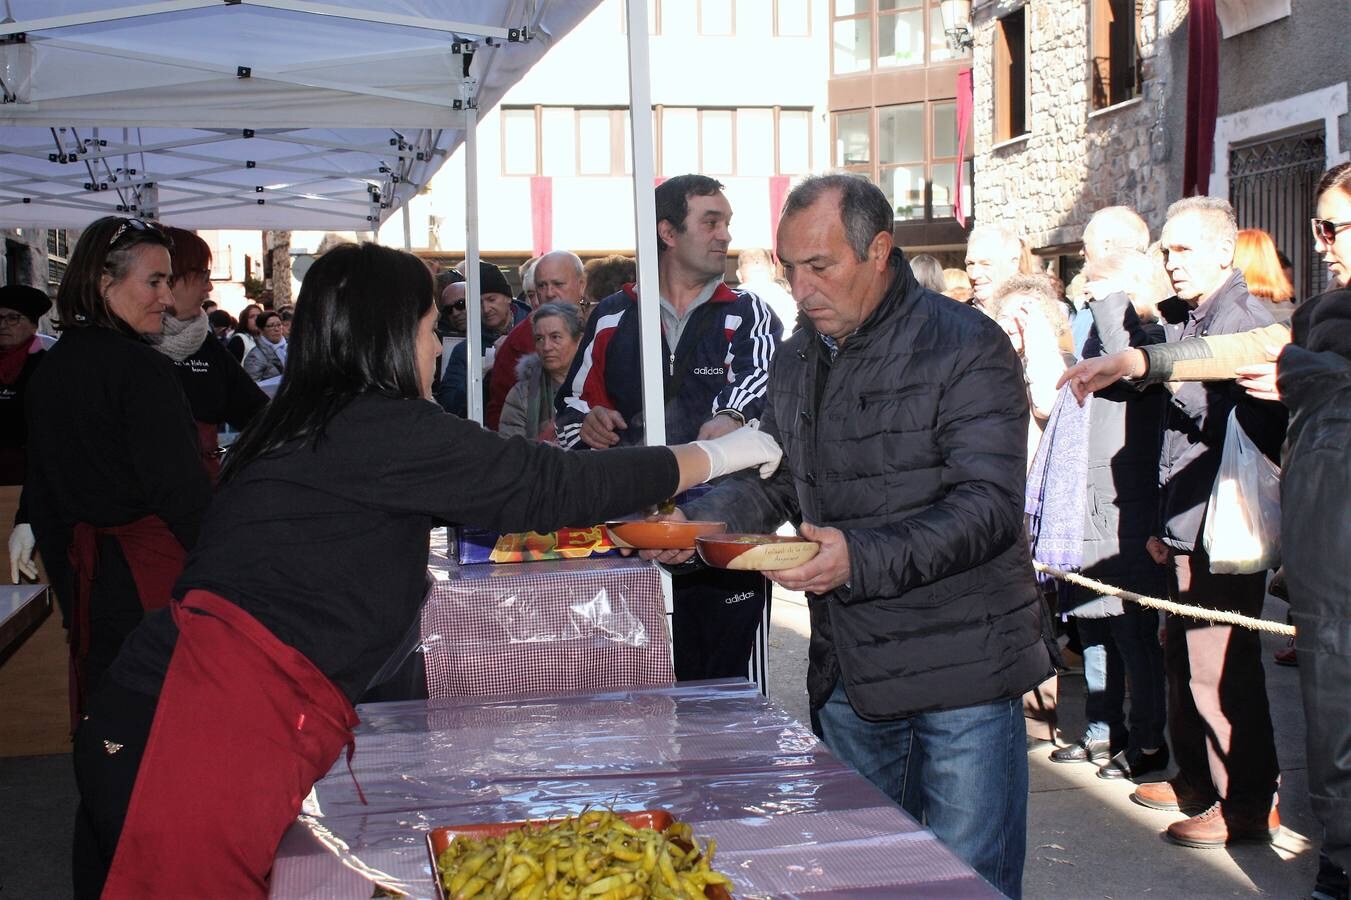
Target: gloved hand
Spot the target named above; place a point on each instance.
(21, 544)
(739, 450)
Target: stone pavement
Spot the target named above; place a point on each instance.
(1086, 839)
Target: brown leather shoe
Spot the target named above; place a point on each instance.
(1162, 795)
(1213, 829)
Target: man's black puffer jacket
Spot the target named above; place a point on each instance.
(913, 443)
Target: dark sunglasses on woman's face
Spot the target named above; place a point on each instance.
(458, 305)
(1326, 229)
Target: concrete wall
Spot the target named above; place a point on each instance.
(1074, 160)
(1298, 54)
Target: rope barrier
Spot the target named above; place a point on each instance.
(1220, 616)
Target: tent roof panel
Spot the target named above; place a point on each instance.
(141, 105)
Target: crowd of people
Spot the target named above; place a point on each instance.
(940, 430)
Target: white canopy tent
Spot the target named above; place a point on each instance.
(295, 114)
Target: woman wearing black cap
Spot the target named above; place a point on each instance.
(21, 352)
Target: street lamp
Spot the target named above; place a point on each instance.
(957, 24)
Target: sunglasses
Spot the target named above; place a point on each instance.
(129, 225)
(1326, 230)
(457, 305)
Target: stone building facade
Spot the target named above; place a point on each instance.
(1074, 159)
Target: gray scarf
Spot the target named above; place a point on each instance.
(180, 339)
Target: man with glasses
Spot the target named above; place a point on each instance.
(558, 277)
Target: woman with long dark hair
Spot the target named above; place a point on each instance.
(246, 335)
(250, 676)
(217, 387)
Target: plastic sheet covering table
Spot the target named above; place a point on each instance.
(522, 628)
(789, 818)
(22, 606)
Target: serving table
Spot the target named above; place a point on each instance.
(789, 818)
(523, 628)
(22, 606)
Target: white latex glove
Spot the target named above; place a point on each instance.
(21, 544)
(739, 450)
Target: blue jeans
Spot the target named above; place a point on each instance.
(1117, 650)
(962, 772)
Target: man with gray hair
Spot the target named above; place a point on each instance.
(993, 253)
(1217, 703)
(903, 424)
(555, 277)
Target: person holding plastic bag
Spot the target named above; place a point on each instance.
(250, 675)
(1307, 366)
(1243, 518)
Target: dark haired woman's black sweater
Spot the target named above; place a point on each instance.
(337, 532)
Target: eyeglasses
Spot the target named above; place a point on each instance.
(9, 319)
(136, 224)
(1326, 230)
(587, 303)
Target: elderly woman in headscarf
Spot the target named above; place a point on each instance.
(217, 387)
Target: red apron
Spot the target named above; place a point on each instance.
(244, 728)
(208, 438)
(155, 558)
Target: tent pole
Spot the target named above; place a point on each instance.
(473, 306)
(645, 218)
(645, 231)
(407, 226)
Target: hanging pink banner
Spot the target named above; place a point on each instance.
(541, 214)
(965, 101)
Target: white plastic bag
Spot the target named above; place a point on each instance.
(1243, 518)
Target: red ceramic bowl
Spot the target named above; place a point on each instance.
(756, 552)
(651, 534)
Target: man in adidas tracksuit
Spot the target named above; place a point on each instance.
(717, 343)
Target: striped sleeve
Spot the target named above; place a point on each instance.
(753, 335)
(585, 384)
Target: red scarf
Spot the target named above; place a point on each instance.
(12, 360)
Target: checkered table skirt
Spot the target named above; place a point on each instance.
(544, 627)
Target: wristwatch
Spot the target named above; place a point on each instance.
(731, 413)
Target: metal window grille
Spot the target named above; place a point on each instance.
(1271, 185)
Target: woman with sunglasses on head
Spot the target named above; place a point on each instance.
(1307, 366)
(250, 676)
(217, 387)
(115, 489)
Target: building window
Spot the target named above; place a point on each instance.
(795, 142)
(900, 33)
(908, 33)
(1010, 77)
(519, 147)
(58, 255)
(792, 18)
(717, 18)
(1114, 52)
(851, 36)
(853, 142)
(914, 159)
